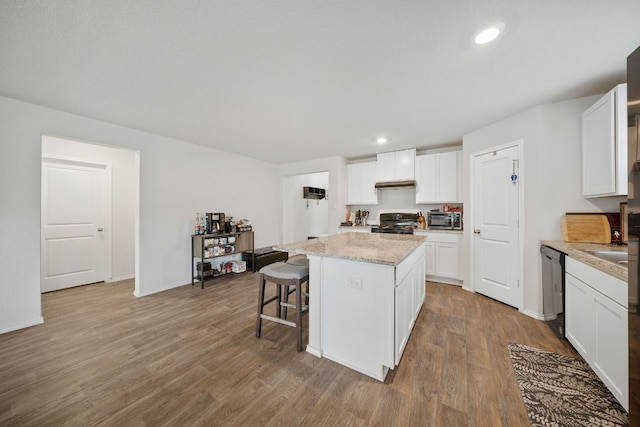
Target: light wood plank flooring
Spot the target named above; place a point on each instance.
(189, 356)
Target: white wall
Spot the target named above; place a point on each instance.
(308, 217)
(336, 168)
(177, 179)
(123, 197)
(552, 184)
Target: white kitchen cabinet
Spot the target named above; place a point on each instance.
(430, 258)
(366, 310)
(442, 256)
(438, 177)
(404, 297)
(604, 145)
(396, 165)
(596, 324)
(579, 315)
(409, 297)
(361, 181)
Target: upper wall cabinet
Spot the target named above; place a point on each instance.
(437, 177)
(604, 145)
(361, 182)
(397, 165)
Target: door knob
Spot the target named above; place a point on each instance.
(476, 231)
(100, 228)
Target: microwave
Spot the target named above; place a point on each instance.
(445, 220)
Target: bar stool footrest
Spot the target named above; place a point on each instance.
(278, 320)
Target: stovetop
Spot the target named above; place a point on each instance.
(396, 223)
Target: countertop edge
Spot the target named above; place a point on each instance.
(295, 250)
(577, 252)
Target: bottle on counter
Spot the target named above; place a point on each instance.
(196, 229)
(203, 225)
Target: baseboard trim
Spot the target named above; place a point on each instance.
(444, 280)
(120, 278)
(35, 322)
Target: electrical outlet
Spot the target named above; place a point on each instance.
(354, 282)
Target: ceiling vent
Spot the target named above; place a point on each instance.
(396, 184)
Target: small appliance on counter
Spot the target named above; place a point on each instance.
(444, 220)
(215, 222)
(229, 225)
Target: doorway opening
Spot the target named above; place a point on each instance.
(90, 213)
(304, 218)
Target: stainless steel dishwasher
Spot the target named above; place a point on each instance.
(553, 289)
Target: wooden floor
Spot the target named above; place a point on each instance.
(189, 356)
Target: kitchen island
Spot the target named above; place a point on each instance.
(365, 292)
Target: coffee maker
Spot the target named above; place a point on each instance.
(215, 223)
(229, 225)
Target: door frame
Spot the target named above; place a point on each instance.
(521, 216)
(107, 167)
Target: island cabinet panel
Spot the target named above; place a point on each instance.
(358, 315)
(369, 310)
(365, 293)
(410, 294)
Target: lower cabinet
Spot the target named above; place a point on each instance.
(409, 294)
(442, 257)
(367, 311)
(596, 324)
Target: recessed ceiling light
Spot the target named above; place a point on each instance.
(488, 34)
(381, 140)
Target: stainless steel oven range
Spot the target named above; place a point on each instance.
(396, 223)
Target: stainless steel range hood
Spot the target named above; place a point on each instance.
(396, 184)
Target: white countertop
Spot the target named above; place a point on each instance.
(375, 248)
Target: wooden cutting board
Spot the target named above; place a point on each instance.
(586, 228)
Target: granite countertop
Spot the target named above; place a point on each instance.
(375, 248)
(577, 252)
(358, 227)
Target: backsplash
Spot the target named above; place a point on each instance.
(396, 199)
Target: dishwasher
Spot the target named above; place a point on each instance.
(553, 289)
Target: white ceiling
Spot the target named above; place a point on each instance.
(291, 80)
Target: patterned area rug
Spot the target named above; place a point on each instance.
(563, 391)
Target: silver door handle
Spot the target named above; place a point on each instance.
(100, 229)
(476, 231)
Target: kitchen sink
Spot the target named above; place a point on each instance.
(619, 257)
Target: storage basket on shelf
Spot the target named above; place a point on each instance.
(238, 266)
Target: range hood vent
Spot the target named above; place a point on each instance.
(396, 184)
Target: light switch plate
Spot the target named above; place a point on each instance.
(354, 282)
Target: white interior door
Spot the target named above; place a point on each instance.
(496, 235)
(73, 217)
